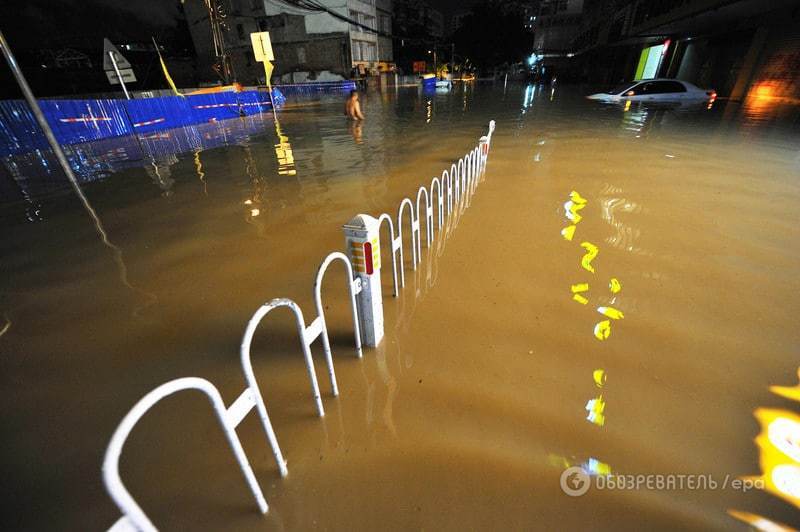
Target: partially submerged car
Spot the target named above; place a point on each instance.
(655, 90)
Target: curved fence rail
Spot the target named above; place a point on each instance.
(454, 190)
(133, 516)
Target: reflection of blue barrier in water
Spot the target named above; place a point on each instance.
(36, 173)
(80, 121)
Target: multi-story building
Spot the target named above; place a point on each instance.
(384, 11)
(326, 43)
(530, 13)
(556, 25)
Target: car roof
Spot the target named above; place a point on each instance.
(660, 79)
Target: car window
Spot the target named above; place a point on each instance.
(621, 88)
(655, 87)
(664, 87)
(636, 90)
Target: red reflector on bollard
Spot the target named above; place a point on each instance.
(368, 257)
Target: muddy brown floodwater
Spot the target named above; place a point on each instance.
(491, 379)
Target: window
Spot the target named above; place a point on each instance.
(637, 90)
(301, 54)
(666, 87)
(386, 24)
(658, 87)
(240, 32)
(621, 88)
(363, 20)
(364, 51)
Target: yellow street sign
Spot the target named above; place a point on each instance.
(262, 46)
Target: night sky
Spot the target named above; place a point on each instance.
(159, 12)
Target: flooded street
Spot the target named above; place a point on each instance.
(492, 378)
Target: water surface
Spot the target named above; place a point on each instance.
(476, 401)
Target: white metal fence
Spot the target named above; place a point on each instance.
(452, 192)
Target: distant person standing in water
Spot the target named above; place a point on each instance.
(352, 109)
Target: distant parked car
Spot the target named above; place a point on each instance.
(655, 90)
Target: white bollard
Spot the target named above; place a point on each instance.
(362, 238)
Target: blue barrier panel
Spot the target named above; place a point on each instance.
(277, 96)
(80, 121)
(152, 114)
(75, 121)
(225, 105)
(19, 130)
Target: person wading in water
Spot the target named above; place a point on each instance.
(352, 109)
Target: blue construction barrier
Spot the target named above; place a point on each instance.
(80, 121)
(311, 88)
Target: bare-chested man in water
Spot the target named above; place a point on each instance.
(352, 109)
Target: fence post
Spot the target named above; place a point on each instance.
(362, 240)
(396, 248)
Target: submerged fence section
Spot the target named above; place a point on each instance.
(449, 194)
(88, 120)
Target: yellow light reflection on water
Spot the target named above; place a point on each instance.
(599, 376)
(614, 285)
(596, 408)
(760, 523)
(789, 392)
(592, 466)
(779, 457)
(569, 232)
(591, 253)
(779, 448)
(283, 152)
(602, 330)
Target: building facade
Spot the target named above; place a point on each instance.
(734, 47)
(556, 25)
(341, 42)
(333, 42)
(384, 11)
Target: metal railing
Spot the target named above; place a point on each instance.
(456, 185)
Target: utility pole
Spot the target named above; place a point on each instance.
(216, 17)
(113, 57)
